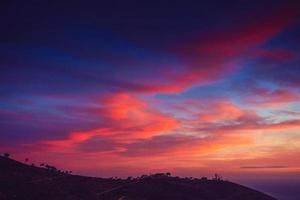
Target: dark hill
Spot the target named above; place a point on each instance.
(23, 182)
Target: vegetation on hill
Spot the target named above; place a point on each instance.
(26, 182)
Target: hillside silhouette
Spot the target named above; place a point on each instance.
(20, 181)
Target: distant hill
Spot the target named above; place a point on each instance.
(19, 181)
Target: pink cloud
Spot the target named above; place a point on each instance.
(262, 97)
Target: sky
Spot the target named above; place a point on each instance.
(124, 88)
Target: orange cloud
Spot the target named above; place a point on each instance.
(125, 118)
(123, 106)
(220, 111)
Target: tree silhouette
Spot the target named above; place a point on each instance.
(50, 168)
(6, 155)
(217, 177)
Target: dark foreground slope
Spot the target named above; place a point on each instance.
(20, 181)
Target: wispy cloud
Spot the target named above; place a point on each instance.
(264, 167)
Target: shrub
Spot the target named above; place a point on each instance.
(6, 155)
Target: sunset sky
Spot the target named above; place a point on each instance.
(126, 88)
